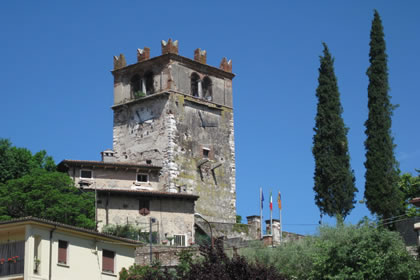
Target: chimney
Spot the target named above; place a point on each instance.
(143, 54)
(200, 56)
(226, 65)
(108, 156)
(254, 226)
(169, 47)
(119, 62)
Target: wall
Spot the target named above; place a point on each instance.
(116, 178)
(198, 126)
(174, 216)
(84, 260)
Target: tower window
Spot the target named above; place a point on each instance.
(207, 89)
(135, 86)
(195, 80)
(148, 77)
(206, 152)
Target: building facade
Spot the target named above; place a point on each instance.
(33, 248)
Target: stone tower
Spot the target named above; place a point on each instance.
(177, 112)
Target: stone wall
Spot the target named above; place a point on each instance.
(166, 255)
(174, 216)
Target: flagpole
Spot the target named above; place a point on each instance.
(271, 213)
(281, 228)
(281, 224)
(261, 221)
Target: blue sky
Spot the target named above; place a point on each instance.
(57, 88)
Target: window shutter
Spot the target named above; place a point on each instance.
(108, 261)
(62, 251)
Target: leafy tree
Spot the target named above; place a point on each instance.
(17, 162)
(30, 186)
(381, 188)
(47, 195)
(334, 178)
(353, 252)
(409, 185)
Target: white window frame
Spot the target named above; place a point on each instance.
(85, 169)
(142, 173)
(185, 238)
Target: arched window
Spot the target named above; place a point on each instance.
(135, 85)
(195, 79)
(148, 78)
(207, 89)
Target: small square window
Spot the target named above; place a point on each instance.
(206, 153)
(142, 177)
(86, 174)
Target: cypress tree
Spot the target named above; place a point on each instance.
(334, 182)
(381, 190)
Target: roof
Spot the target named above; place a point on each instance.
(416, 201)
(74, 229)
(148, 193)
(63, 165)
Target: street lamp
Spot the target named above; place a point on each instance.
(211, 231)
(151, 221)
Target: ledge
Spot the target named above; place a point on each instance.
(63, 265)
(109, 274)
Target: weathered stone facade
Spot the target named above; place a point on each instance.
(177, 112)
(173, 215)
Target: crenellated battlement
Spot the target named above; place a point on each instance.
(171, 47)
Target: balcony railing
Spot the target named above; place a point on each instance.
(12, 256)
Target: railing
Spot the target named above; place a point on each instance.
(12, 256)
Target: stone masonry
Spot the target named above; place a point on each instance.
(177, 113)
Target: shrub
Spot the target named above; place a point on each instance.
(362, 251)
(214, 265)
(129, 231)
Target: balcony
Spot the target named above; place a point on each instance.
(12, 259)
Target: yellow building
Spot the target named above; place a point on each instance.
(33, 248)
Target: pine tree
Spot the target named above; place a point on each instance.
(381, 188)
(334, 179)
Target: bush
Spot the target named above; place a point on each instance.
(363, 251)
(214, 265)
(129, 231)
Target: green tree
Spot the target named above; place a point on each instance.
(30, 186)
(381, 188)
(409, 185)
(16, 162)
(48, 195)
(333, 178)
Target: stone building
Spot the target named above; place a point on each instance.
(173, 144)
